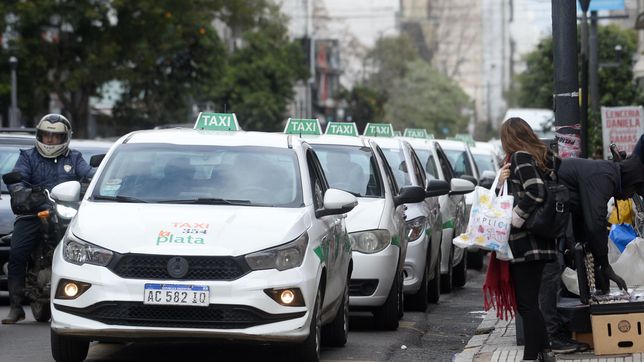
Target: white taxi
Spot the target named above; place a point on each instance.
(376, 226)
(438, 167)
(193, 233)
(424, 223)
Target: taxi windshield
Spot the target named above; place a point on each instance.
(195, 174)
(351, 168)
(396, 160)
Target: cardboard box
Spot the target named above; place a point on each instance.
(618, 333)
(585, 337)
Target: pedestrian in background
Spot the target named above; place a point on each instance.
(529, 159)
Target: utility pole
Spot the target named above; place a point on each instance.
(566, 95)
(14, 121)
(593, 65)
(583, 111)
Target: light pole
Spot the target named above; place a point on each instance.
(13, 112)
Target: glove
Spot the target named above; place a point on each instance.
(607, 273)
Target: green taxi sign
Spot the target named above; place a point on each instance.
(465, 137)
(303, 126)
(217, 122)
(379, 130)
(416, 133)
(397, 133)
(342, 129)
(430, 136)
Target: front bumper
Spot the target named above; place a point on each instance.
(376, 269)
(112, 308)
(415, 261)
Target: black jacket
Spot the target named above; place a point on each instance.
(591, 184)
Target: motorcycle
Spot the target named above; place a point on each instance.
(36, 202)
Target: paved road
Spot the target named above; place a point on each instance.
(435, 335)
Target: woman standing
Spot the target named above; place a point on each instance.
(528, 162)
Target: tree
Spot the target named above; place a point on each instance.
(364, 105)
(425, 98)
(387, 61)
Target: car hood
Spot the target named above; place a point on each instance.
(6, 215)
(187, 229)
(366, 215)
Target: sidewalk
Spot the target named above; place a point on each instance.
(495, 340)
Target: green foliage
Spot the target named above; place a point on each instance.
(389, 58)
(166, 54)
(536, 83)
(425, 98)
(364, 105)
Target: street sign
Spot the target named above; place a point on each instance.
(596, 5)
(379, 130)
(342, 129)
(217, 122)
(622, 126)
(416, 133)
(303, 126)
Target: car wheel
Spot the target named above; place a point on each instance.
(41, 311)
(460, 271)
(309, 350)
(447, 278)
(475, 259)
(335, 334)
(418, 301)
(386, 317)
(434, 285)
(68, 349)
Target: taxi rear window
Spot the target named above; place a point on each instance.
(163, 173)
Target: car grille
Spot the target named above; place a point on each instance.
(144, 266)
(214, 316)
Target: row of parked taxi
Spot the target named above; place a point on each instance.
(214, 232)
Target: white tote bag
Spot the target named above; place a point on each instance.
(490, 221)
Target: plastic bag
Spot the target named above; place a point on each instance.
(621, 235)
(490, 221)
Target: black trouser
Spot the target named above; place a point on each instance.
(26, 234)
(549, 296)
(527, 280)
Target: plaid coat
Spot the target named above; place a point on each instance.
(529, 191)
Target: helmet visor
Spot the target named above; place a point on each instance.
(51, 138)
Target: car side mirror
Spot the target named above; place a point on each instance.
(336, 202)
(96, 160)
(437, 188)
(470, 178)
(410, 195)
(460, 186)
(67, 191)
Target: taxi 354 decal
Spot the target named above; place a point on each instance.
(183, 233)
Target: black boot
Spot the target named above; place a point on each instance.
(16, 313)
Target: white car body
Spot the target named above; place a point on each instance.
(373, 273)
(160, 234)
(460, 157)
(452, 208)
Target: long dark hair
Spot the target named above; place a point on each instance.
(517, 135)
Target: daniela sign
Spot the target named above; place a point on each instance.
(622, 126)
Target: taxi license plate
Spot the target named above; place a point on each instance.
(174, 294)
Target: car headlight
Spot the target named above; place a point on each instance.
(416, 227)
(371, 241)
(80, 252)
(66, 212)
(283, 257)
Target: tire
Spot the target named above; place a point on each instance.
(447, 279)
(460, 271)
(68, 349)
(309, 350)
(418, 301)
(41, 311)
(475, 259)
(386, 317)
(336, 333)
(434, 285)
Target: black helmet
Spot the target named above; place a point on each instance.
(56, 124)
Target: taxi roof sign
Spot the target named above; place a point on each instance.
(217, 122)
(342, 129)
(379, 130)
(416, 133)
(303, 126)
(397, 133)
(465, 137)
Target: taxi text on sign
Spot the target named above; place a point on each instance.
(415, 133)
(379, 130)
(342, 129)
(622, 126)
(303, 126)
(217, 122)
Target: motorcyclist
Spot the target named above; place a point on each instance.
(47, 164)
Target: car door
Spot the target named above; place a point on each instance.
(456, 202)
(333, 227)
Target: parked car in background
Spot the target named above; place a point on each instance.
(452, 207)
(89, 148)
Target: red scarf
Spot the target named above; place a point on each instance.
(498, 290)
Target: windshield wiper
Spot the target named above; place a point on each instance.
(207, 201)
(119, 198)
